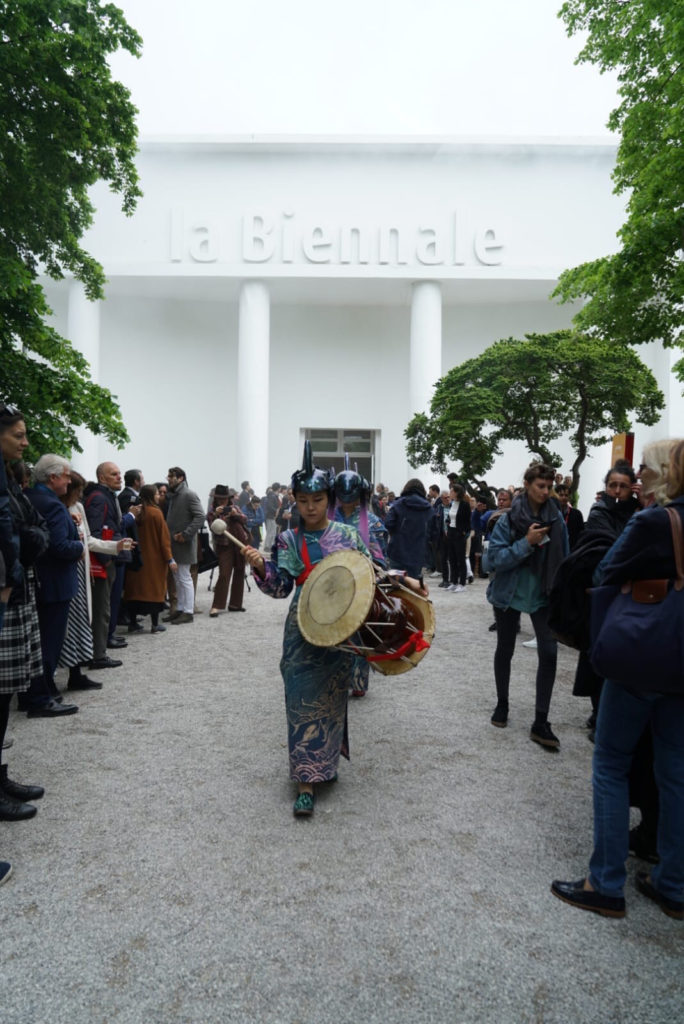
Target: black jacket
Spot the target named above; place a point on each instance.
(607, 514)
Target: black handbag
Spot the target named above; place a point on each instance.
(206, 557)
(34, 536)
(638, 628)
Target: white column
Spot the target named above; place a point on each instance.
(253, 397)
(83, 331)
(426, 352)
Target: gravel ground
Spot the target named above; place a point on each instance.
(165, 881)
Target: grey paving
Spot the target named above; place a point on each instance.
(165, 881)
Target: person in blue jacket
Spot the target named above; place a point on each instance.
(407, 524)
(255, 520)
(643, 551)
(57, 580)
(525, 550)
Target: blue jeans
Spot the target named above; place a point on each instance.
(622, 718)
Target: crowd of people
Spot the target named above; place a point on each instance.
(84, 564)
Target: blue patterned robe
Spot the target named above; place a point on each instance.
(317, 679)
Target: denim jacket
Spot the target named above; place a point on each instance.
(506, 558)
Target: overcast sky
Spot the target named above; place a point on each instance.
(380, 67)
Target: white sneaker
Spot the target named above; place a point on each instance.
(530, 643)
(434, 575)
(458, 589)
(451, 587)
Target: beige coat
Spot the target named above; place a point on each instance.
(103, 547)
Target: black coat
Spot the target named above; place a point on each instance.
(612, 515)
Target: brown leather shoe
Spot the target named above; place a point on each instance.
(181, 619)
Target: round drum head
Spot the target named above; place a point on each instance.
(425, 612)
(336, 598)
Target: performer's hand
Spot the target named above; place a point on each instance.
(256, 560)
(415, 585)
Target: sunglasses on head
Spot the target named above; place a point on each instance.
(9, 410)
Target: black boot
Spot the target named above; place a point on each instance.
(16, 790)
(14, 810)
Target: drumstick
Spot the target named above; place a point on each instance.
(239, 543)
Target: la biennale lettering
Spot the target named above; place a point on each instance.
(281, 238)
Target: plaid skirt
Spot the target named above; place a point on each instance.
(20, 654)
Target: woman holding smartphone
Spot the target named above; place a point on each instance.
(525, 550)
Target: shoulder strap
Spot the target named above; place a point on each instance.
(677, 544)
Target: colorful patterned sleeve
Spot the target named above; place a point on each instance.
(282, 569)
(377, 539)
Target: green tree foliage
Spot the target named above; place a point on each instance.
(64, 125)
(636, 295)
(533, 391)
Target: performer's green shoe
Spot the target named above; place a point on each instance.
(303, 805)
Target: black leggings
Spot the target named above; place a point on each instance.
(456, 550)
(547, 652)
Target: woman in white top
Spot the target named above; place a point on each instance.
(457, 521)
(77, 649)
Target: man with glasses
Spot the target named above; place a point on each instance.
(106, 522)
(184, 518)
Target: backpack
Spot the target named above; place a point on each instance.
(569, 602)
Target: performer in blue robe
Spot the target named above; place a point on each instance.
(317, 679)
(352, 492)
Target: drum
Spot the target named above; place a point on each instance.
(348, 603)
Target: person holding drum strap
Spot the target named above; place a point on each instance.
(352, 492)
(317, 679)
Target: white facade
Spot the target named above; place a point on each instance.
(269, 287)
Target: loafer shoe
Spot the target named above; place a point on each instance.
(576, 895)
(541, 734)
(170, 617)
(84, 684)
(673, 908)
(117, 643)
(303, 805)
(136, 628)
(182, 619)
(51, 710)
(105, 662)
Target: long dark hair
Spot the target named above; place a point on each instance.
(414, 486)
(146, 499)
(9, 415)
(76, 484)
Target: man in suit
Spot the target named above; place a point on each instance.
(574, 520)
(133, 481)
(184, 518)
(57, 582)
(104, 514)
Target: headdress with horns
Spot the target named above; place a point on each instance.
(311, 479)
